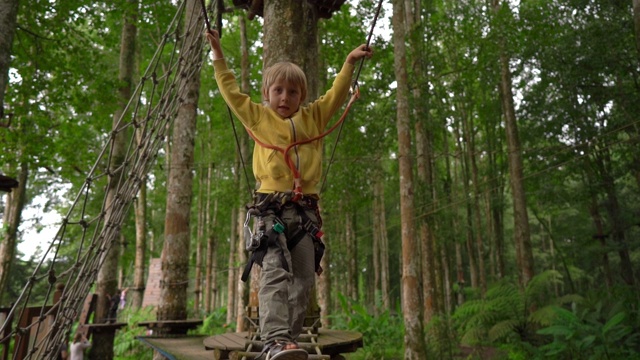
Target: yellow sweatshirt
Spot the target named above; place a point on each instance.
(269, 166)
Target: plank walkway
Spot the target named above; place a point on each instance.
(178, 348)
(327, 344)
(330, 343)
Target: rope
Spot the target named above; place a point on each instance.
(356, 88)
(233, 125)
(162, 86)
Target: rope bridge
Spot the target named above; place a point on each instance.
(145, 120)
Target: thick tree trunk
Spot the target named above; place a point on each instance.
(288, 36)
(426, 233)
(12, 215)
(106, 284)
(8, 16)
(614, 212)
(522, 235)
(414, 346)
(243, 294)
(175, 252)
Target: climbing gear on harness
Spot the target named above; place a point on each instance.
(272, 206)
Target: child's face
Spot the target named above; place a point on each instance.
(284, 98)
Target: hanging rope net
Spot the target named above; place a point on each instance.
(145, 121)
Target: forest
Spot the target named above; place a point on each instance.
(481, 197)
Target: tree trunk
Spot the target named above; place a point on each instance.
(175, 252)
(245, 85)
(426, 234)
(524, 253)
(414, 346)
(106, 284)
(602, 160)
(137, 292)
(232, 275)
(323, 284)
(8, 16)
(288, 36)
(200, 239)
(469, 230)
(12, 217)
(351, 255)
(210, 264)
(602, 239)
(479, 241)
(384, 251)
(376, 239)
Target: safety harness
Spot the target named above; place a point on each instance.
(258, 243)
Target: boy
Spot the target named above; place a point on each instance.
(288, 221)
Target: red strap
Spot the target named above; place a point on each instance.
(297, 181)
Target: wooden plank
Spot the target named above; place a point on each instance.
(227, 342)
(173, 327)
(329, 342)
(178, 348)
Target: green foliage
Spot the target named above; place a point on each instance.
(215, 323)
(594, 331)
(126, 346)
(382, 333)
(509, 315)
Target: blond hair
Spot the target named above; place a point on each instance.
(285, 71)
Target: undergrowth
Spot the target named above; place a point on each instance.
(382, 333)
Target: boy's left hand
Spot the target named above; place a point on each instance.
(359, 53)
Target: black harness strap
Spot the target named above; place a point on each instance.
(270, 238)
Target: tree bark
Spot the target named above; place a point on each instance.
(106, 284)
(522, 235)
(245, 85)
(12, 217)
(175, 252)
(137, 292)
(612, 205)
(8, 18)
(414, 346)
(200, 239)
(210, 264)
(231, 267)
(288, 36)
(426, 233)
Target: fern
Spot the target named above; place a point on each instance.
(508, 314)
(593, 331)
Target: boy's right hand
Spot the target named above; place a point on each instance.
(214, 40)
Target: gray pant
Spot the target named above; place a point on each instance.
(283, 295)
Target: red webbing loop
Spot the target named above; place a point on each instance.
(297, 181)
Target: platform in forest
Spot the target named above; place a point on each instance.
(178, 348)
(330, 344)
